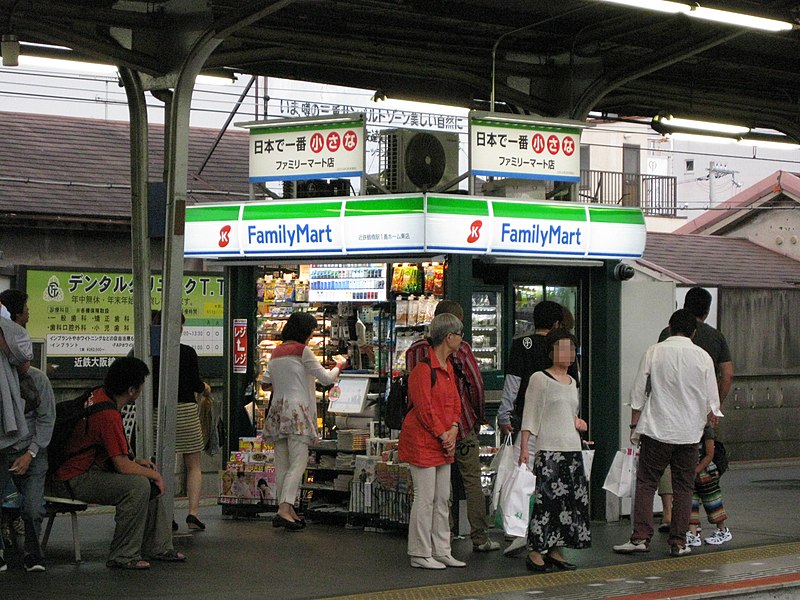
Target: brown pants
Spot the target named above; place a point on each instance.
(654, 457)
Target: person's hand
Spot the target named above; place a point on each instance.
(147, 464)
(507, 428)
(20, 466)
(160, 485)
(523, 456)
(207, 391)
(634, 437)
(713, 419)
(581, 425)
(448, 439)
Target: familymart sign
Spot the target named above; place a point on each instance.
(423, 223)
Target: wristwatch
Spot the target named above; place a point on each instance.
(633, 425)
(32, 453)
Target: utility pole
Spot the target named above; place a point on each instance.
(716, 171)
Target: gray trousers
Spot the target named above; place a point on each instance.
(142, 527)
(31, 490)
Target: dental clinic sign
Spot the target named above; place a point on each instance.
(424, 223)
(307, 148)
(524, 147)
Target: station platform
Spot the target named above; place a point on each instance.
(248, 558)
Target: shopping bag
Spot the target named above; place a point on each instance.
(503, 465)
(515, 499)
(621, 478)
(588, 461)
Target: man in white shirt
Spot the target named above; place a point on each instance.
(673, 396)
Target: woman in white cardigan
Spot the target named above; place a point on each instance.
(560, 516)
(291, 421)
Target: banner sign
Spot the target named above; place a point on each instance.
(525, 148)
(401, 224)
(239, 338)
(86, 317)
(313, 148)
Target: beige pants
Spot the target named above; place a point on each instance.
(429, 526)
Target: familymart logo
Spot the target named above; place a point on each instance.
(475, 231)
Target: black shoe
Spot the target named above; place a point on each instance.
(291, 525)
(663, 528)
(174, 526)
(562, 565)
(277, 521)
(33, 564)
(195, 523)
(532, 566)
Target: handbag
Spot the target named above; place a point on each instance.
(503, 466)
(515, 501)
(621, 477)
(588, 461)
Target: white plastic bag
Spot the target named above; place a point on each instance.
(588, 461)
(515, 501)
(621, 478)
(503, 466)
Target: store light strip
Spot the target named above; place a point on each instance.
(695, 11)
(671, 122)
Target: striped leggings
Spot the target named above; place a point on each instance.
(707, 491)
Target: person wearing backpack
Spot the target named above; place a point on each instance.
(428, 444)
(467, 457)
(707, 491)
(99, 469)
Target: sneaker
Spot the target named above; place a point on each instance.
(3, 565)
(632, 547)
(487, 546)
(720, 537)
(33, 564)
(679, 550)
(449, 561)
(516, 547)
(693, 540)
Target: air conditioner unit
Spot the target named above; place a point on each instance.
(417, 161)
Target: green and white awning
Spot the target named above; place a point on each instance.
(414, 223)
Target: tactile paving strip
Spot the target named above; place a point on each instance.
(621, 581)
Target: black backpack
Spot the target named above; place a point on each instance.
(68, 415)
(397, 406)
(720, 457)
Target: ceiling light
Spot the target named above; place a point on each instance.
(671, 124)
(696, 11)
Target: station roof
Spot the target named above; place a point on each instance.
(716, 261)
(559, 59)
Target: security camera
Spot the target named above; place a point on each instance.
(623, 272)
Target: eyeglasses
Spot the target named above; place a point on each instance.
(458, 333)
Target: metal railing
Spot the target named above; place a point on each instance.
(656, 195)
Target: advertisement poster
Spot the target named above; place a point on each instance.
(85, 318)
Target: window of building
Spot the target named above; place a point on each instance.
(690, 165)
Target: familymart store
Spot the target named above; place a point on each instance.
(372, 268)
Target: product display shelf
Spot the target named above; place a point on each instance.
(325, 492)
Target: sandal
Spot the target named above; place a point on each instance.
(170, 556)
(132, 565)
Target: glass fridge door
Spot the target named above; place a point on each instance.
(486, 320)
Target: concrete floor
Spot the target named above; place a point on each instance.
(249, 558)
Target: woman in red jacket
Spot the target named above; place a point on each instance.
(428, 441)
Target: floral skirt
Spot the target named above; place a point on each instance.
(560, 516)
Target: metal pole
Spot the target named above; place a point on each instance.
(140, 253)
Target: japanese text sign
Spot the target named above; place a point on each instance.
(307, 148)
(523, 148)
(239, 345)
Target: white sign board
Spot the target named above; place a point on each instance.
(307, 148)
(523, 148)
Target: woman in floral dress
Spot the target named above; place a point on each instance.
(560, 516)
(291, 421)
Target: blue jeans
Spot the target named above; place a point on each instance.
(31, 490)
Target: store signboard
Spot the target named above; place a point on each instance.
(524, 147)
(239, 338)
(384, 224)
(312, 148)
(430, 223)
(86, 317)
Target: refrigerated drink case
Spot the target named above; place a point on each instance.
(486, 321)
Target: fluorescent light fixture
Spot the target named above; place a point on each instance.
(701, 139)
(732, 18)
(767, 144)
(72, 66)
(704, 126)
(696, 11)
(214, 80)
(658, 5)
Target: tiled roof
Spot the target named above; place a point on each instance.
(712, 260)
(779, 185)
(41, 154)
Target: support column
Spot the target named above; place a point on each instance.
(140, 246)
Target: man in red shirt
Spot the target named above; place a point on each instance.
(467, 458)
(102, 472)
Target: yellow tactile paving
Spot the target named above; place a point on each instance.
(641, 568)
